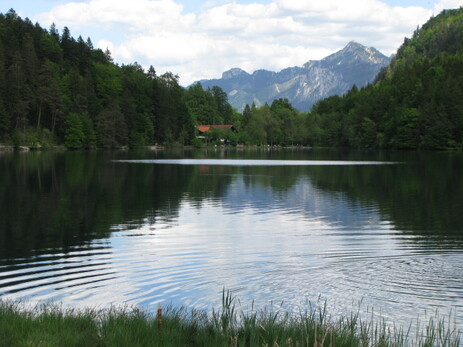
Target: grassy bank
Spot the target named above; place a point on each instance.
(52, 325)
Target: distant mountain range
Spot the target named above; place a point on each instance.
(355, 64)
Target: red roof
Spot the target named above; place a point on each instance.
(205, 128)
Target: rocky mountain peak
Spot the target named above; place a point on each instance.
(353, 46)
(233, 73)
(355, 64)
(352, 54)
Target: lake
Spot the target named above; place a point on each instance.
(375, 232)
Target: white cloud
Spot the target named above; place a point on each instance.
(445, 4)
(226, 34)
(137, 15)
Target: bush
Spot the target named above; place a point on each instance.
(198, 143)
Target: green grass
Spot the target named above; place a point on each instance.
(53, 325)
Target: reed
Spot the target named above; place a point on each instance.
(54, 325)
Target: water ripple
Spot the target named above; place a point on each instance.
(297, 248)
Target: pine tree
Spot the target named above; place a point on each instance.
(54, 32)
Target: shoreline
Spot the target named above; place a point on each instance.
(61, 148)
(51, 324)
(11, 148)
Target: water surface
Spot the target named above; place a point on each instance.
(280, 228)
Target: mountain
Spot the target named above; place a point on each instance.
(415, 103)
(355, 64)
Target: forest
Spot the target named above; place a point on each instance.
(57, 90)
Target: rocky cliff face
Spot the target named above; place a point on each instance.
(355, 64)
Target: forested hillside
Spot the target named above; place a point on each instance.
(416, 102)
(55, 89)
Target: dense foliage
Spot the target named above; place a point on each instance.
(278, 124)
(417, 102)
(58, 90)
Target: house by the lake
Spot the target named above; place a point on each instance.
(203, 129)
(206, 128)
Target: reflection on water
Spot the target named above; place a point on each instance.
(252, 162)
(95, 229)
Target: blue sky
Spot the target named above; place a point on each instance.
(201, 39)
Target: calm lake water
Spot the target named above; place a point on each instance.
(368, 231)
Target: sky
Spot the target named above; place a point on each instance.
(199, 39)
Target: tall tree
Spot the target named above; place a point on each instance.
(111, 127)
(202, 105)
(54, 32)
(20, 95)
(48, 93)
(224, 109)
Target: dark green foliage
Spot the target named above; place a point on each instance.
(174, 121)
(111, 127)
(142, 131)
(74, 137)
(441, 34)
(417, 102)
(278, 124)
(90, 138)
(4, 123)
(247, 113)
(79, 132)
(76, 93)
(224, 109)
(222, 136)
(202, 105)
(48, 94)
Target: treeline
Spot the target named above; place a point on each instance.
(58, 90)
(55, 89)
